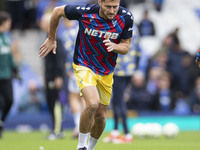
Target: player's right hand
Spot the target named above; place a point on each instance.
(197, 60)
(110, 45)
(47, 47)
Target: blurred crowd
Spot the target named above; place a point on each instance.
(167, 81)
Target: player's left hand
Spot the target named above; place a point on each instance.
(110, 45)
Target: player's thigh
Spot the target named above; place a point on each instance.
(90, 95)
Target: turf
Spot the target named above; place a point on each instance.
(36, 141)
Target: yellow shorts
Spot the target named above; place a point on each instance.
(86, 77)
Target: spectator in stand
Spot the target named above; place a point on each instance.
(162, 99)
(16, 9)
(153, 77)
(33, 100)
(158, 4)
(146, 26)
(175, 66)
(138, 97)
(30, 13)
(157, 64)
(159, 60)
(45, 6)
(190, 69)
(165, 46)
(180, 77)
(26, 73)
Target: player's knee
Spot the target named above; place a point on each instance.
(100, 115)
(92, 108)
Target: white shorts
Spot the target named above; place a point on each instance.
(72, 84)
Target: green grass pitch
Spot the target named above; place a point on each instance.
(35, 141)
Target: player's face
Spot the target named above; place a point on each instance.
(108, 8)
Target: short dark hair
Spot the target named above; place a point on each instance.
(4, 16)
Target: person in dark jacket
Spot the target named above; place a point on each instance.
(146, 26)
(8, 68)
(54, 76)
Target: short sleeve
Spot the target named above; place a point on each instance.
(128, 30)
(74, 12)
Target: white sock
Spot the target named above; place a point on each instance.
(92, 143)
(82, 140)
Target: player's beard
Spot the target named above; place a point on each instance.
(107, 15)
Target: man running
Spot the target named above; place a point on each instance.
(105, 30)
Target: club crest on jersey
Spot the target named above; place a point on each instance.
(101, 34)
(114, 22)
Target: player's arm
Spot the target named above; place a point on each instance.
(120, 48)
(197, 60)
(57, 13)
(50, 42)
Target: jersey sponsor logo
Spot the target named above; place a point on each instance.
(97, 33)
